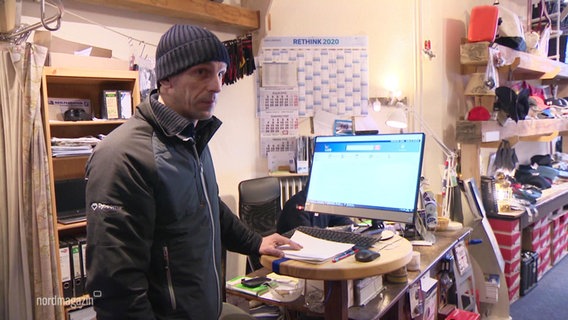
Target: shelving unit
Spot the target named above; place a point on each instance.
(474, 135)
(83, 84)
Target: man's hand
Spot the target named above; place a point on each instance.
(270, 244)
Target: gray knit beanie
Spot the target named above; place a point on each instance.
(184, 46)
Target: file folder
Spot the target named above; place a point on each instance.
(76, 268)
(83, 255)
(65, 266)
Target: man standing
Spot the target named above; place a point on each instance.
(155, 222)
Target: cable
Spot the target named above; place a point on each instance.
(107, 28)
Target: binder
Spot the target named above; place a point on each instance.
(83, 256)
(65, 266)
(76, 269)
(111, 107)
(125, 103)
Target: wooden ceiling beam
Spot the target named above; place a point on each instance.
(200, 11)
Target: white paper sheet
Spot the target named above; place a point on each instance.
(315, 250)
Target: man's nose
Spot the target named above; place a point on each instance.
(215, 84)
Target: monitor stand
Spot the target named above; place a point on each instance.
(420, 231)
(376, 227)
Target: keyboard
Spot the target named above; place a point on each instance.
(336, 235)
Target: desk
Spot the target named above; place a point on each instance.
(391, 305)
(395, 254)
(396, 293)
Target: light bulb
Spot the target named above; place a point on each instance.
(376, 105)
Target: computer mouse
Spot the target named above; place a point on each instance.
(366, 255)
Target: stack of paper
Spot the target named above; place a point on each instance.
(315, 250)
(58, 151)
(66, 147)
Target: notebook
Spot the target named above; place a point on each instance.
(70, 200)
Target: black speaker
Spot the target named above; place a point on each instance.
(529, 271)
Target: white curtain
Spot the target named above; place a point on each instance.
(28, 268)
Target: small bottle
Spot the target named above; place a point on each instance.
(429, 204)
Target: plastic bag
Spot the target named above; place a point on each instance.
(510, 31)
(505, 157)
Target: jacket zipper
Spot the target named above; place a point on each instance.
(204, 186)
(169, 277)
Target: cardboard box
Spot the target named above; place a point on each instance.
(513, 266)
(508, 239)
(513, 279)
(69, 54)
(58, 106)
(514, 293)
(55, 44)
(505, 226)
(64, 60)
(430, 292)
(367, 289)
(510, 253)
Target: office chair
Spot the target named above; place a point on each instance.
(259, 209)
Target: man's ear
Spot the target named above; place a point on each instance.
(166, 82)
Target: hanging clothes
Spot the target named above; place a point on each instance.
(242, 58)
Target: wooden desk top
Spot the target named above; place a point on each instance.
(395, 253)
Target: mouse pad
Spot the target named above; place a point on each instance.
(386, 234)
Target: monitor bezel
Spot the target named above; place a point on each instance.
(370, 213)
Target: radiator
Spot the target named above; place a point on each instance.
(289, 186)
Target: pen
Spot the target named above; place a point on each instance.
(344, 255)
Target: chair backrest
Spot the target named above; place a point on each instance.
(259, 209)
(259, 204)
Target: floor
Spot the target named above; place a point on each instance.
(548, 300)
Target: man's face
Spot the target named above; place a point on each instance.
(193, 93)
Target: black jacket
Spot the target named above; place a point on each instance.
(155, 222)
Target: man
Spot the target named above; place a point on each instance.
(293, 215)
(156, 224)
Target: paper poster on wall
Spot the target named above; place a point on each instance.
(285, 124)
(278, 100)
(332, 72)
(277, 144)
(280, 74)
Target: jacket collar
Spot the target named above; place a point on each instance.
(172, 124)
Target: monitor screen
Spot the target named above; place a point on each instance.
(367, 176)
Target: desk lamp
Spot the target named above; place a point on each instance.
(398, 119)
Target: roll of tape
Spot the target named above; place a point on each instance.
(414, 264)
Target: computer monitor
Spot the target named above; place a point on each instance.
(367, 176)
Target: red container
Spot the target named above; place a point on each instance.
(459, 314)
(505, 226)
(508, 239)
(483, 24)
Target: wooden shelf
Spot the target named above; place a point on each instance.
(471, 132)
(524, 65)
(63, 75)
(552, 201)
(204, 11)
(57, 123)
(69, 167)
(71, 226)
